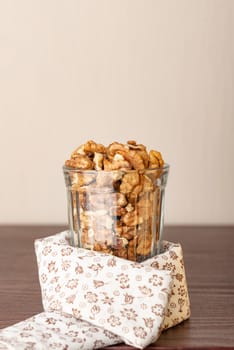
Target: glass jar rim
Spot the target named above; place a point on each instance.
(164, 168)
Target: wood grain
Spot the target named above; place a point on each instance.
(209, 262)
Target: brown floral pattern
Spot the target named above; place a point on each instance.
(51, 330)
(129, 299)
(103, 290)
(178, 308)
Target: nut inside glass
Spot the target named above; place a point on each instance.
(118, 212)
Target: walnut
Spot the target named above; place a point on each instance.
(141, 150)
(128, 232)
(121, 242)
(114, 148)
(155, 159)
(144, 246)
(131, 218)
(129, 207)
(133, 157)
(80, 162)
(133, 195)
(92, 147)
(102, 247)
(116, 165)
(118, 228)
(121, 253)
(120, 199)
(129, 181)
(120, 247)
(147, 184)
(131, 143)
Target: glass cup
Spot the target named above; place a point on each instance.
(118, 212)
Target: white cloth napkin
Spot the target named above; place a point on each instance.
(92, 300)
(123, 297)
(53, 330)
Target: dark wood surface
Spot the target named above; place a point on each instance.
(209, 262)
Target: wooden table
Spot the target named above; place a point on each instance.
(209, 262)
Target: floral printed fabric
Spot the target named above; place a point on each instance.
(52, 330)
(178, 308)
(65, 282)
(123, 297)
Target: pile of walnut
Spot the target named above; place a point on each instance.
(115, 209)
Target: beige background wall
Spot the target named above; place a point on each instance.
(161, 72)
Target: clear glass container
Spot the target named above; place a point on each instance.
(119, 212)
